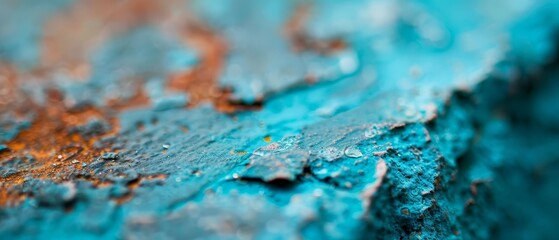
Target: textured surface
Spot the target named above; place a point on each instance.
(279, 119)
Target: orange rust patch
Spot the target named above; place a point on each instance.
(12, 99)
(8, 198)
(139, 99)
(71, 35)
(202, 81)
(300, 40)
(124, 199)
(96, 21)
(8, 83)
(69, 38)
(49, 143)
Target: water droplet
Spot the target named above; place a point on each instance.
(353, 152)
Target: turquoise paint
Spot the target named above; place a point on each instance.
(422, 139)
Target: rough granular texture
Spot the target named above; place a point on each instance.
(279, 119)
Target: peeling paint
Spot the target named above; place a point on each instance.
(278, 119)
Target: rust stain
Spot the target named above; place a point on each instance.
(10, 198)
(140, 99)
(51, 146)
(12, 99)
(92, 22)
(47, 141)
(301, 41)
(201, 82)
(96, 21)
(8, 82)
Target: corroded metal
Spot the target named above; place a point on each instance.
(278, 119)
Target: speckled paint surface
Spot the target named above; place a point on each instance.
(279, 119)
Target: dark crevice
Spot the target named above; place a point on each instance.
(274, 183)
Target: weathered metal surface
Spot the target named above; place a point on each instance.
(278, 119)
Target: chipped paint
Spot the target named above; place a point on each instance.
(278, 119)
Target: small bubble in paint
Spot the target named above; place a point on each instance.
(236, 176)
(75, 161)
(84, 164)
(59, 156)
(166, 146)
